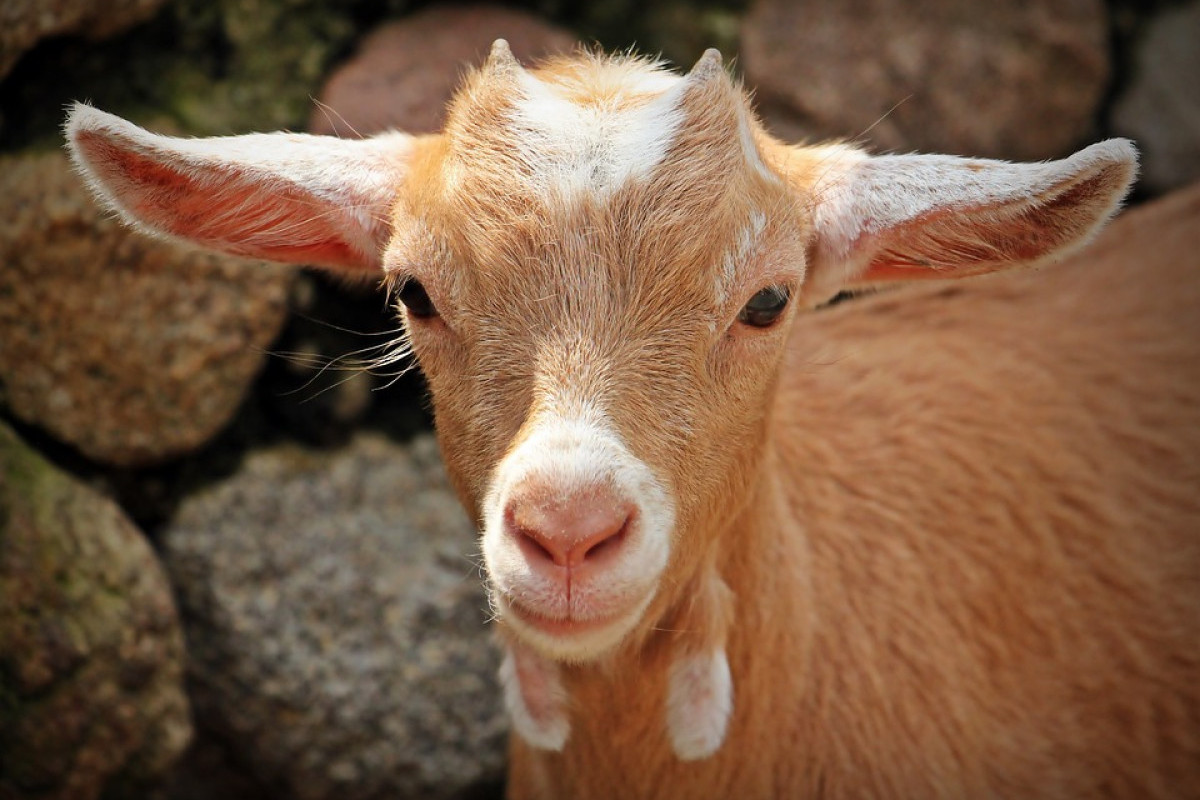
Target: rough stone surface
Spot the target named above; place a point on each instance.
(405, 72)
(1006, 80)
(336, 623)
(129, 348)
(91, 654)
(277, 53)
(1160, 108)
(24, 22)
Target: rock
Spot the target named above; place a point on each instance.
(207, 771)
(405, 72)
(1160, 108)
(681, 30)
(336, 623)
(212, 67)
(24, 22)
(1006, 80)
(273, 55)
(91, 654)
(130, 348)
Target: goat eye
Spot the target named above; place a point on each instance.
(416, 299)
(764, 307)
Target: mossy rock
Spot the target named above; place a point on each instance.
(91, 654)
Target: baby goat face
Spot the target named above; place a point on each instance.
(596, 266)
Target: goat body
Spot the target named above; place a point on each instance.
(938, 542)
(975, 556)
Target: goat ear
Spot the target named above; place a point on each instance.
(278, 196)
(879, 219)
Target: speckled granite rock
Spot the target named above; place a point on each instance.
(1007, 80)
(336, 623)
(405, 72)
(24, 22)
(91, 654)
(1160, 108)
(129, 348)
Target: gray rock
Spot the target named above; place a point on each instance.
(24, 22)
(91, 654)
(1160, 108)
(405, 72)
(1007, 80)
(130, 348)
(336, 623)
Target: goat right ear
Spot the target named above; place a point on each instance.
(881, 219)
(278, 196)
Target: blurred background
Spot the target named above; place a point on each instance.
(230, 565)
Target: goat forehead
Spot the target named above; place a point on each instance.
(593, 184)
(585, 307)
(631, 265)
(601, 266)
(583, 130)
(590, 141)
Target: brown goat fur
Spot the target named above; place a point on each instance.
(982, 575)
(938, 542)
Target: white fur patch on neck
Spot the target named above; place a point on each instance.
(595, 147)
(535, 698)
(699, 702)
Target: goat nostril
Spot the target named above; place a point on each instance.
(537, 547)
(567, 535)
(603, 542)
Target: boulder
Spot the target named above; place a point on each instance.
(129, 348)
(404, 73)
(1006, 80)
(24, 22)
(92, 702)
(335, 619)
(1160, 107)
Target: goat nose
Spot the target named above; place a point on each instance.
(570, 531)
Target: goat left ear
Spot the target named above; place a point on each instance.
(879, 219)
(278, 196)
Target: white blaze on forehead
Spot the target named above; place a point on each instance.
(600, 145)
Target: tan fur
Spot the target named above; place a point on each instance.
(954, 572)
(948, 538)
(981, 576)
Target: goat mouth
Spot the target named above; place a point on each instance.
(560, 626)
(572, 638)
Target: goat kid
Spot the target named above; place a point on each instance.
(731, 555)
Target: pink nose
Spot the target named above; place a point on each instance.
(568, 531)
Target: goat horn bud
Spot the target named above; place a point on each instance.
(709, 65)
(501, 58)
